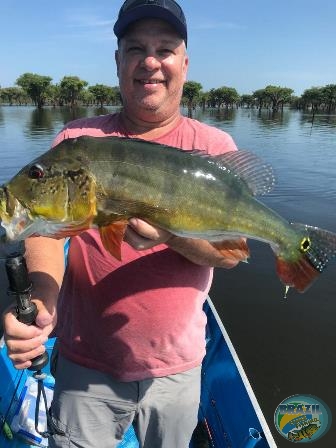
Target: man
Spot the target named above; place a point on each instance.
(131, 333)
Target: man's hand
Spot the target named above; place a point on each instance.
(45, 262)
(25, 342)
(141, 235)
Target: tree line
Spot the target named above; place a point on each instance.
(271, 97)
(32, 88)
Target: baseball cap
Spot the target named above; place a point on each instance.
(168, 10)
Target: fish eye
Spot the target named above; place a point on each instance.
(305, 244)
(36, 172)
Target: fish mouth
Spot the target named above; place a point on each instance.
(14, 217)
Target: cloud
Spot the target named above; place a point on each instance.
(87, 21)
(89, 24)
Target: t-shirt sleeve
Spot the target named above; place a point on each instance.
(100, 126)
(72, 129)
(220, 142)
(211, 139)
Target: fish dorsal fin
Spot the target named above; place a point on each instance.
(257, 174)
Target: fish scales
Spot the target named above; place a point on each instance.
(188, 194)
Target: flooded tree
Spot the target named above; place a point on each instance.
(14, 95)
(71, 87)
(36, 87)
(278, 96)
(103, 94)
(329, 96)
(191, 94)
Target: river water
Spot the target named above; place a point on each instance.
(286, 346)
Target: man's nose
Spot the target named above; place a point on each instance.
(150, 62)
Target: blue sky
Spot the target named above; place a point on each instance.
(244, 44)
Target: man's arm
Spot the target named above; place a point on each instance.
(45, 262)
(142, 235)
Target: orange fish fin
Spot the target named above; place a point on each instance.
(236, 249)
(72, 230)
(112, 236)
(317, 247)
(299, 275)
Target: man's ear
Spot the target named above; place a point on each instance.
(185, 67)
(116, 57)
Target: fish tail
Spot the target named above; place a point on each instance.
(316, 248)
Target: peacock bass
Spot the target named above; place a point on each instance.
(103, 181)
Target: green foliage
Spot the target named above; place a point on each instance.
(70, 89)
(259, 96)
(35, 86)
(223, 96)
(320, 97)
(313, 97)
(103, 94)
(278, 95)
(87, 97)
(274, 96)
(247, 100)
(13, 95)
(329, 96)
(191, 92)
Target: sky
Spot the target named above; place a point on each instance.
(245, 44)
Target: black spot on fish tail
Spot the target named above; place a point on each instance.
(319, 246)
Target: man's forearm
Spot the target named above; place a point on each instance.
(45, 262)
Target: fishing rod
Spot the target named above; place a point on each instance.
(21, 287)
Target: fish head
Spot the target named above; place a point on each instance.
(50, 196)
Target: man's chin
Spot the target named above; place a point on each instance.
(149, 106)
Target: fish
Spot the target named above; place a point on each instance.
(304, 433)
(101, 182)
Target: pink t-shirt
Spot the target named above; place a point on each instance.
(141, 317)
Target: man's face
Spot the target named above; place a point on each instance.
(152, 67)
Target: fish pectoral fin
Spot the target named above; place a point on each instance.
(236, 249)
(112, 236)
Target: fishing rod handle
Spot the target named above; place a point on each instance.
(20, 287)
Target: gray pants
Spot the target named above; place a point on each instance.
(94, 410)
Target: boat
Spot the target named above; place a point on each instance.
(229, 413)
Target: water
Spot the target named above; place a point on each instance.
(286, 347)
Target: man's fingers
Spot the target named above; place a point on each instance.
(147, 231)
(144, 229)
(23, 360)
(19, 346)
(18, 330)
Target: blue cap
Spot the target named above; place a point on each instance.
(168, 10)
